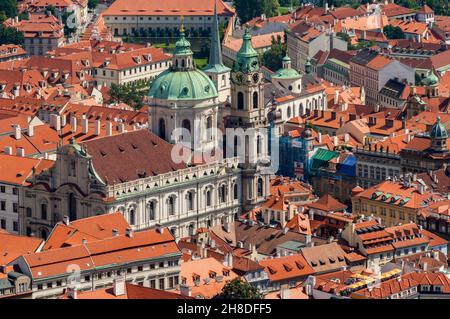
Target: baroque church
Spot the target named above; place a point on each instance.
(136, 174)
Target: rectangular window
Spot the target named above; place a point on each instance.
(153, 283)
(15, 226)
(2, 189)
(15, 206)
(3, 205)
(161, 284)
(3, 224)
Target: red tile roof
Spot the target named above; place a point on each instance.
(327, 203)
(287, 268)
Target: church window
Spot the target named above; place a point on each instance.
(255, 100)
(162, 128)
(240, 101)
(186, 124)
(208, 198)
(132, 217)
(260, 187)
(171, 205)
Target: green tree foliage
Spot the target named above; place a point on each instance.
(289, 3)
(10, 36)
(92, 4)
(238, 289)
(248, 9)
(272, 57)
(131, 94)
(9, 8)
(392, 32)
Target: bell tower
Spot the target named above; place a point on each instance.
(249, 119)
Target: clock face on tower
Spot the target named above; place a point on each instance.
(238, 77)
(255, 77)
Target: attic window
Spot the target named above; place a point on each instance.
(340, 258)
(103, 153)
(313, 263)
(134, 146)
(271, 270)
(322, 262)
(121, 149)
(332, 260)
(287, 267)
(299, 265)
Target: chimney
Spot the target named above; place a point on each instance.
(63, 120)
(319, 137)
(284, 293)
(336, 97)
(84, 125)
(308, 241)
(8, 150)
(119, 286)
(425, 266)
(73, 123)
(185, 290)
(115, 232)
(129, 232)
(17, 132)
(98, 126)
(66, 220)
(20, 151)
(30, 130)
(346, 138)
(108, 129)
(121, 128)
(72, 292)
(228, 261)
(55, 122)
(159, 228)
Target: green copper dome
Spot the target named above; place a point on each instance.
(247, 59)
(286, 72)
(182, 81)
(438, 130)
(430, 80)
(183, 85)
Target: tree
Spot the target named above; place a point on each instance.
(131, 94)
(248, 9)
(238, 289)
(10, 36)
(92, 4)
(392, 32)
(9, 8)
(272, 57)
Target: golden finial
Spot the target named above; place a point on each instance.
(182, 24)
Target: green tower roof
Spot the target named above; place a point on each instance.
(215, 63)
(247, 57)
(182, 46)
(430, 80)
(286, 72)
(438, 130)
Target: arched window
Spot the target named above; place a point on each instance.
(260, 187)
(258, 145)
(235, 191)
(190, 201)
(240, 101)
(44, 211)
(224, 80)
(223, 193)
(171, 205)
(162, 128)
(236, 145)
(173, 230)
(288, 112)
(208, 197)
(186, 124)
(255, 100)
(209, 125)
(132, 216)
(183, 63)
(72, 207)
(151, 210)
